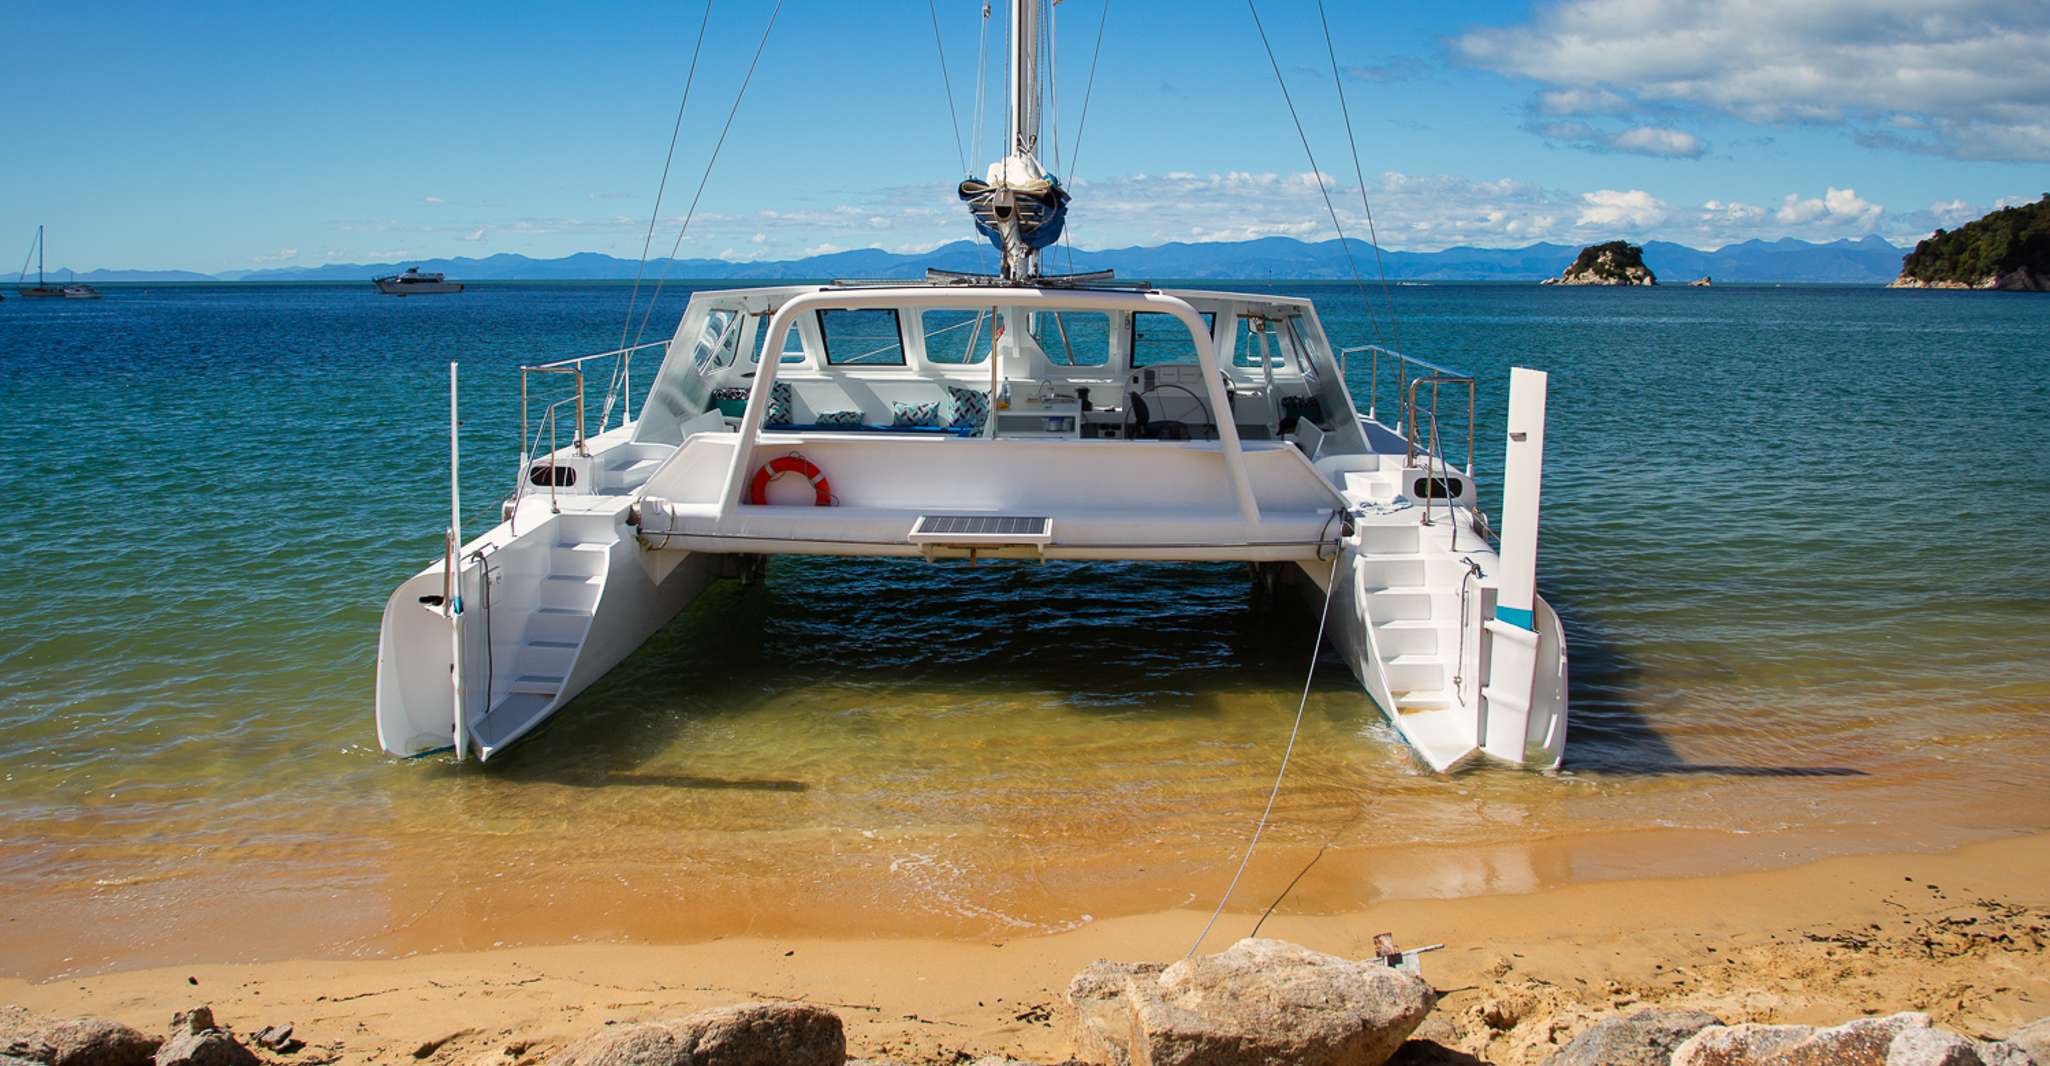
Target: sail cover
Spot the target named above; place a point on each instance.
(1039, 208)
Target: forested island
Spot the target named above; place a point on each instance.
(2008, 249)
(1613, 263)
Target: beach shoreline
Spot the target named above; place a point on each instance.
(1960, 935)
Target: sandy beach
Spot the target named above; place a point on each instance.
(1963, 936)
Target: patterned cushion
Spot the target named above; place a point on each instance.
(916, 414)
(971, 408)
(838, 418)
(732, 392)
(779, 405)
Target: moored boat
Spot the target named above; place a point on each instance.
(43, 290)
(1017, 416)
(413, 282)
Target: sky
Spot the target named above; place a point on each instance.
(218, 136)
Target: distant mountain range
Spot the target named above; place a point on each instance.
(1868, 261)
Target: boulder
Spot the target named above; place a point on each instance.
(2034, 1038)
(25, 1037)
(1905, 1039)
(1737, 1045)
(1268, 1001)
(1103, 1021)
(1645, 1038)
(196, 1041)
(1940, 1047)
(755, 1034)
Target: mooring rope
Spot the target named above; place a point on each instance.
(1330, 588)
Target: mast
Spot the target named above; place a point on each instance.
(1024, 140)
(39, 255)
(1020, 207)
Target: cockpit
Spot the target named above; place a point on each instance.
(1000, 372)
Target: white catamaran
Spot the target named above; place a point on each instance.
(1019, 416)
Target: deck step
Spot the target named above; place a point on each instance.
(1385, 570)
(572, 590)
(1391, 604)
(1443, 736)
(542, 657)
(581, 560)
(536, 684)
(1408, 673)
(558, 624)
(1406, 636)
(1390, 539)
(1422, 700)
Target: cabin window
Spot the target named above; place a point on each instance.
(793, 343)
(864, 337)
(1073, 338)
(1158, 337)
(949, 334)
(1248, 346)
(719, 340)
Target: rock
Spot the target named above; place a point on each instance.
(1614, 263)
(755, 1034)
(1268, 1001)
(2034, 1038)
(1103, 1021)
(25, 1037)
(196, 1041)
(1939, 1047)
(278, 1038)
(1645, 1038)
(1737, 1045)
(1702, 282)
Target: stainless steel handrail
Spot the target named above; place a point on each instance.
(1407, 415)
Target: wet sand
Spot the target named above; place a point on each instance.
(1963, 935)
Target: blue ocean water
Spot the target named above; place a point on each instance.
(1794, 533)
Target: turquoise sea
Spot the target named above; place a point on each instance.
(1796, 536)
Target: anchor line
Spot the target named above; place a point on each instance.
(1330, 588)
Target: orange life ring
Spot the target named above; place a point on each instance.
(758, 490)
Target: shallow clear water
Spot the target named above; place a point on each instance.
(1794, 533)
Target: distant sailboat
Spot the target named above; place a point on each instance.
(74, 290)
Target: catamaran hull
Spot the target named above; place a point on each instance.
(550, 604)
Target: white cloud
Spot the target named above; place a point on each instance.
(1654, 140)
(1971, 73)
(279, 256)
(826, 248)
(1842, 206)
(1581, 102)
(758, 238)
(1635, 209)
(477, 234)
(432, 201)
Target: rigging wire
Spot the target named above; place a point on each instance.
(1053, 85)
(618, 367)
(1082, 123)
(745, 81)
(1330, 587)
(981, 82)
(959, 153)
(1351, 265)
(1359, 178)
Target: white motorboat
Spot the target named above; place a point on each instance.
(413, 282)
(1015, 417)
